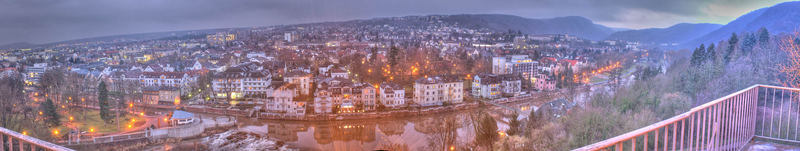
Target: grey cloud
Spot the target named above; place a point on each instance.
(42, 21)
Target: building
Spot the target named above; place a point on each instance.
(287, 37)
(158, 79)
(34, 73)
(392, 95)
(486, 86)
(169, 96)
(511, 84)
(344, 96)
(544, 82)
(150, 95)
(220, 38)
(281, 100)
(301, 79)
(244, 81)
(339, 73)
(438, 90)
(515, 64)
(180, 117)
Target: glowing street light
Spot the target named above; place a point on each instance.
(55, 131)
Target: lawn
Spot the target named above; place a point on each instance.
(91, 120)
(596, 79)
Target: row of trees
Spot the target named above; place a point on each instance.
(709, 72)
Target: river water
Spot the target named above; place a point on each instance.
(408, 133)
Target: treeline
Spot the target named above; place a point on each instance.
(711, 71)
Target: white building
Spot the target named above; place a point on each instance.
(515, 64)
(392, 95)
(247, 80)
(34, 73)
(339, 73)
(345, 95)
(281, 100)
(486, 86)
(301, 79)
(438, 91)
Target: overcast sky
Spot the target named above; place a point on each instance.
(44, 21)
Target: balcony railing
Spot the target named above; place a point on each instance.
(728, 123)
(12, 140)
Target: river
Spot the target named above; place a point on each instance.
(409, 133)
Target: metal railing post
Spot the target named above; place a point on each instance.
(727, 123)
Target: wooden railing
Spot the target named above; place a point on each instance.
(727, 123)
(12, 140)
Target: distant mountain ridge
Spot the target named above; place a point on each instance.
(16, 45)
(573, 25)
(780, 18)
(678, 33)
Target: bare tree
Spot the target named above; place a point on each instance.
(791, 45)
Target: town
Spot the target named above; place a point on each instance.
(388, 67)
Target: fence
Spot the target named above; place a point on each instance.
(728, 123)
(7, 138)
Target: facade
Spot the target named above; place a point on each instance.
(515, 64)
(34, 73)
(169, 96)
(158, 79)
(392, 95)
(220, 38)
(343, 95)
(544, 83)
(281, 100)
(438, 91)
(150, 95)
(244, 81)
(511, 84)
(339, 73)
(301, 79)
(486, 86)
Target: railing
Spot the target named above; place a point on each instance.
(728, 123)
(24, 142)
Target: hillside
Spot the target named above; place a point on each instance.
(678, 33)
(572, 25)
(780, 18)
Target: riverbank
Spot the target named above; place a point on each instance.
(397, 113)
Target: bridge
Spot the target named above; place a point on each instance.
(10, 140)
(760, 112)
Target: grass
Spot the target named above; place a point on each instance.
(92, 120)
(596, 79)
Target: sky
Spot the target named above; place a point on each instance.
(45, 21)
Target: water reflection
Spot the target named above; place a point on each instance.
(430, 132)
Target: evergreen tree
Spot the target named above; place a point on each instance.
(393, 56)
(514, 125)
(731, 46)
(699, 55)
(373, 57)
(763, 36)
(748, 43)
(102, 101)
(51, 117)
(710, 53)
